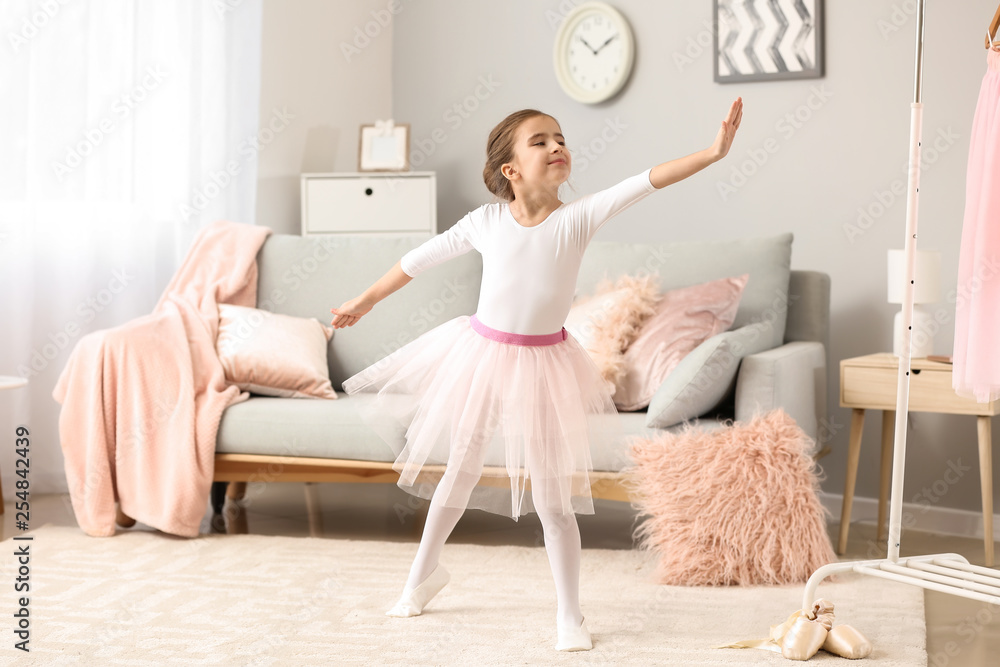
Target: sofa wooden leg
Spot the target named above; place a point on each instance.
(122, 519)
(218, 496)
(236, 490)
(313, 510)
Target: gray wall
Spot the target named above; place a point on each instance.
(329, 94)
(458, 67)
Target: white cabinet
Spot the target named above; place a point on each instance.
(369, 203)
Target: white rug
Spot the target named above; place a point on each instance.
(146, 598)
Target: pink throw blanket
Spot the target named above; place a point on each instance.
(141, 402)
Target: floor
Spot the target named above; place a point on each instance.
(960, 632)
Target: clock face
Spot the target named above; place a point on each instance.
(593, 54)
(596, 53)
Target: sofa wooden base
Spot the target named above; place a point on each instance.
(239, 469)
(234, 471)
(243, 468)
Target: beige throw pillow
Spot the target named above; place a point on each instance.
(606, 322)
(273, 354)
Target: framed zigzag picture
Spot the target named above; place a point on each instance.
(765, 40)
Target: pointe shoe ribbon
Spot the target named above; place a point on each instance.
(805, 632)
(412, 603)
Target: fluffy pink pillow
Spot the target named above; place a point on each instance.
(684, 319)
(607, 322)
(273, 354)
(735, 506)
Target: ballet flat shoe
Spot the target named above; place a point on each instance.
(803, 639)
(847, 642)
(412, 603)
(574, 639)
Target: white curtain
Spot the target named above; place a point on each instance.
(126, 126)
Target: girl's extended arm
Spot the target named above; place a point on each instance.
(352, 310)
(670, 172)
(452, 243)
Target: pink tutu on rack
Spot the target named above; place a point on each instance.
(976, 358)
(488, 414)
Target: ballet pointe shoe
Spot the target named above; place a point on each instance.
(573, 638)
(803, 640)
(847, 642)
(412, 603)
(808, 632)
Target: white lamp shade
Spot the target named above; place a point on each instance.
(926, 276)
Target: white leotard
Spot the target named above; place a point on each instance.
(529, 273)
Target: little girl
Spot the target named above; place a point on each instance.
(511, 366)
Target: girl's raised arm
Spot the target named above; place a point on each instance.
(670, 172)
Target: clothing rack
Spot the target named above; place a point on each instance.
(947, 573)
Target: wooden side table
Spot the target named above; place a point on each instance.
(869, 382)
(9, 382)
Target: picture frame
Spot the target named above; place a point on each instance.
(384, 146)
(785, 36)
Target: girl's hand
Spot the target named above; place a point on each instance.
(727, 132)
(349, 313)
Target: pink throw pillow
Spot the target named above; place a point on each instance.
(273, 354)
(684, 319)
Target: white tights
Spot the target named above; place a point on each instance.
(562, 544)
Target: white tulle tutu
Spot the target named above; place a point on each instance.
(454, 389)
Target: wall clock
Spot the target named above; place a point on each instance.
(594, 52)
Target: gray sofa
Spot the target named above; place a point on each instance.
(305, 440)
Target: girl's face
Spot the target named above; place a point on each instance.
(540, 155)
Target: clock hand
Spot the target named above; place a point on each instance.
(606, 42)
(587, 45)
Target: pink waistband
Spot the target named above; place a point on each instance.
(517, 339)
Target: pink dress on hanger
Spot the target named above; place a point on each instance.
(976, 358)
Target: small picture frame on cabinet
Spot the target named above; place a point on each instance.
(384, 146)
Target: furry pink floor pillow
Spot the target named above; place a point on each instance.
(735, 506)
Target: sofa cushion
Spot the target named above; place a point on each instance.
(280, 427)
(306, 277)
(683, 263)
(335, 430)
(706, 377)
